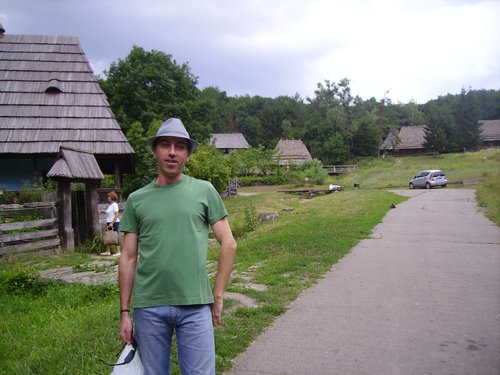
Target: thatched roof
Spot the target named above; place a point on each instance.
(294, 151)
(75, 165)
(408, 138)
(229, 141)
(490, 130)
(49, 97)
(391, 140)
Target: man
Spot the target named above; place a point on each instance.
(163, 260)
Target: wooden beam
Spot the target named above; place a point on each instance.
(68, 233)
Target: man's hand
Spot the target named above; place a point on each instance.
(126, 328)
(217, 311)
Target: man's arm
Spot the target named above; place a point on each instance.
(126, 271)
(223, 234)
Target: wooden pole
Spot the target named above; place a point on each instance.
(68, 234)
(92, 208)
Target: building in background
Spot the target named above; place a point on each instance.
(50, 98)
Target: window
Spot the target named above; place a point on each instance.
(53, 90)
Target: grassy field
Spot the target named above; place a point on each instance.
(475, 170)
(56, 328)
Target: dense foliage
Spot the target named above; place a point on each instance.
(147, 87)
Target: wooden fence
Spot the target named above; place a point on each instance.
(339, 169)
(232, 188)
(33, 236)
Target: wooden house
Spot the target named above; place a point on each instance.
(409, 140)
(50, 98)
(229, 141)
(490, 132)
(292, 151)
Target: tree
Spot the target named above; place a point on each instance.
(145, 170)
(466, 114)
(146, 86)
(334, 104)
(212, 108)
(439, 129)
(336, 150)
(366, 138)
(254, 160)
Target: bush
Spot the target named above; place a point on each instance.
(238, 227)
(208, 163)
(28, 193)
(250, 213)
(241, 226)
(6, 197)
(313, 170)
(278, 179)
(25, 282)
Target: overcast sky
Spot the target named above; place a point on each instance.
(410, 49)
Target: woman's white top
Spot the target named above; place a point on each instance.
(110, 212)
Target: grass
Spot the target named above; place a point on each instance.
(471, 168)
(56, 328)
(476, 170)
(61, 329)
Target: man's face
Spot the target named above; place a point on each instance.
(171, 154)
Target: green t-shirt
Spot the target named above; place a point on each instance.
(172, 226)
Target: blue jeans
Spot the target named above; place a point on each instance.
(194, 331)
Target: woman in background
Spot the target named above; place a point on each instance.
(112, 220)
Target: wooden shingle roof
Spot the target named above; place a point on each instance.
(75, 165)
(408, 138)
(292, 150)
(229, 141)
(490, 130)
(49, 97)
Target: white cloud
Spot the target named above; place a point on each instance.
(418, 49)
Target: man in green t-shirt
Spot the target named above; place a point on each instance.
(163, 260)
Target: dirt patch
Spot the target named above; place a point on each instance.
(94, 273)
(105, 271)
(242, 299)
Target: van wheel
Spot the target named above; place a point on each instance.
(427, 185)
(411, 186)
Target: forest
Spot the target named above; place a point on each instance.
(337, 126)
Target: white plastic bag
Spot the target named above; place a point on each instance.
(128, 366)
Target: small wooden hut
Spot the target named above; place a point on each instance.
(409, 140)
(76, 166)
(292, 151)
(490, 132)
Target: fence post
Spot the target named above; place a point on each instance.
(68, 234)
(92, 208)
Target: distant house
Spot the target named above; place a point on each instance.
(292, 152)
(490, 132)
(229, 141)
(409, 140)
(50, 99)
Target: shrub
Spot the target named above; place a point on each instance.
(25, 282)
(208, 163)
(250, 213)
(277, 179)
(313, 172)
